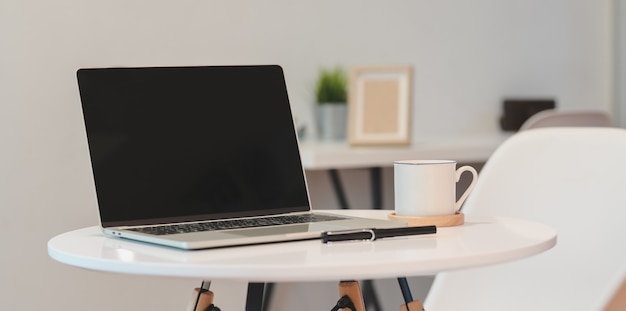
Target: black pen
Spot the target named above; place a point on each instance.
(374, 234)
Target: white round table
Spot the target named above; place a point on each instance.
(480, 241)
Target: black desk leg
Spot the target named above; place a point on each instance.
(377, 187)
(267, 295)
(369, 296)
(254, 298)
(338, 188)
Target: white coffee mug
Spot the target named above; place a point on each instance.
(428, 187)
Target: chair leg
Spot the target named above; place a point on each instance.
(202, 298)
(409, 303)
(415, 305)
(352, 290)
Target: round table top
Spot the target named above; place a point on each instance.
(480, 241)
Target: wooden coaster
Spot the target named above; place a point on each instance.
(439, 221)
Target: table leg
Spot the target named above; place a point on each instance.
(338, 188)
(377, 187)
(415, 305)
(255, 296)
(267, 295)
(352, 289)
(409, 303)
(369, 296)
(202, 299)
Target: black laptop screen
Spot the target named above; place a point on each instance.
(189, 143)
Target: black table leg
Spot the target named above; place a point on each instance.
(375, 182)
(377, 187)
(254, 298)
(338, 188)
(369, 296)
(267, 295)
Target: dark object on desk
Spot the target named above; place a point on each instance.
(374, 234)
(517, 111)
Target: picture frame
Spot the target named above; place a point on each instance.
(379, 105)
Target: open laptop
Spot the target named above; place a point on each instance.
(199, 157)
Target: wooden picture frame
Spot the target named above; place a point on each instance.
(379, 105)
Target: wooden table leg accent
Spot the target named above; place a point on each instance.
(414, 305)
(353, 290)
(202, 298)
(409, 303)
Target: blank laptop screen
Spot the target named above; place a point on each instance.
(191, 143)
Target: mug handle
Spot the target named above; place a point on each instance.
(459, 172)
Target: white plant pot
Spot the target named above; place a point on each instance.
(332, 121)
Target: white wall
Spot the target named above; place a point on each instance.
(467, 56)
(619, 65)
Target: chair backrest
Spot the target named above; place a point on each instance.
(573, 179)
(555, 117)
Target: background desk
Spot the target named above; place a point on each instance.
(334, 156)
(481, 241)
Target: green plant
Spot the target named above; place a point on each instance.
(332, 86)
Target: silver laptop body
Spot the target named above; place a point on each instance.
(172, 146)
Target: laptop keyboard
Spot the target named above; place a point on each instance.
(235, 224)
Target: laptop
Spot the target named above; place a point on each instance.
(199, 157)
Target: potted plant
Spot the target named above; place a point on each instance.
(331, 96)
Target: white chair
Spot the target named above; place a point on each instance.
(573, 179)
(618, 301)
(556, 117)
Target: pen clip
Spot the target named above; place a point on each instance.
(344, 232)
